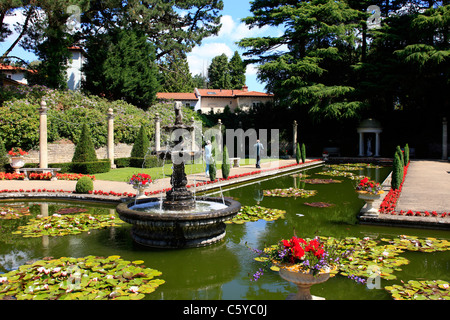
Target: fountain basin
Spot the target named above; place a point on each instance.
(178, 229)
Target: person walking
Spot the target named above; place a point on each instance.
(258, 147)
(208, 154)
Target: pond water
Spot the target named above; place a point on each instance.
(223, 270)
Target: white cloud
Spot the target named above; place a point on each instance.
(200, 57)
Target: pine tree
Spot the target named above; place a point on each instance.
(84, 150)
(130, 71)
(175, 75)
(237, 72)
(396, 176)
(218, 74)
(225, 163)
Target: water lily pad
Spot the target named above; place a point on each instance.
(290, 192)
(254, 213)
(420, 290)
(12, 212)
(89, 278)
(60, 225)
(336, 173)
(319, 204)
(321, 181)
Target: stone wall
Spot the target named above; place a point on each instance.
(63, 152)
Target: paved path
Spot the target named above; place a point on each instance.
(426, 187)
(121, 187)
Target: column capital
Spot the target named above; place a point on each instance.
(43, 107)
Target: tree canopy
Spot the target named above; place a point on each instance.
(329, 64)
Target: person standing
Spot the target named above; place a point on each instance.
(258, 147)
(208, 154)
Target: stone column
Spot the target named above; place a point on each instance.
(294, 139)
(444, 139)
(219, 145)
(157, 133)
(377, 144)
(43, 151)
(361, 144)
(110, 150)
(193, 146)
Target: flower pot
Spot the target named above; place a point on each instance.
(369, 198)
(304, 282)
(17, 163)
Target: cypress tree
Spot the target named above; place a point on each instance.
(225, 163)
(406, 154)
(400, 153)
(397, 172)
(141, 144)
(212, 166)
(84, 150)
(298, 153)
(303, 153)
(4, 160)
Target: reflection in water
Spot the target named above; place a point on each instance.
(223, 270)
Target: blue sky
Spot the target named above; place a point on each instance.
(225, 42)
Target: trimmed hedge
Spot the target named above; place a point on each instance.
(150, 162)
(91, 167)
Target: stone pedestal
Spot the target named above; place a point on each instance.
(43, 152)
(110, 150)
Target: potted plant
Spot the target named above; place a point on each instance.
(140, 182)
(17, 158)
(302, 262)
(369, 191)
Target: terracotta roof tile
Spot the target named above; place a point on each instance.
(176, 95)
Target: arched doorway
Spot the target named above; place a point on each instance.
(367, 129)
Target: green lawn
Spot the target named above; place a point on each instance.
(124, 174)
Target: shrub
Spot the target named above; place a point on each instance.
(4, 159)
(84, 150)
(84, 185)
(406, 155)
(298, 154)
(212, 166)
(141, 144)
(397, 172)
(303, 153)
(91, 167)
(400, 154)
(225, 163)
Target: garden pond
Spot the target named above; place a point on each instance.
(223, 271)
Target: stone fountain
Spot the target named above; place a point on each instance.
(180, 220)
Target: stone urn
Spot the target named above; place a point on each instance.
(369, 198)
(304, 281)
(140, 190)
(17, 163)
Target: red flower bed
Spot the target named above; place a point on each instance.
(390, 202)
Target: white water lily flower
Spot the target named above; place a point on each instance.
(134, 289)
(3, 279)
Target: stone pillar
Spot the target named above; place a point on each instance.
(444, 139)
(377, 144)
(193, 145)
(110, 150)
(294, 139)
(361, 144)
(43, 151)
(157, 133)
(219, 123)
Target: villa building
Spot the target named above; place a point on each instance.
(215, 100)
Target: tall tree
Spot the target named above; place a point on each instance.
(175, 74)
(218, 75)
(314, 73)
(237, 71)
(130, 71)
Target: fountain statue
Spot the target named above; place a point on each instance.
(180, 220)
